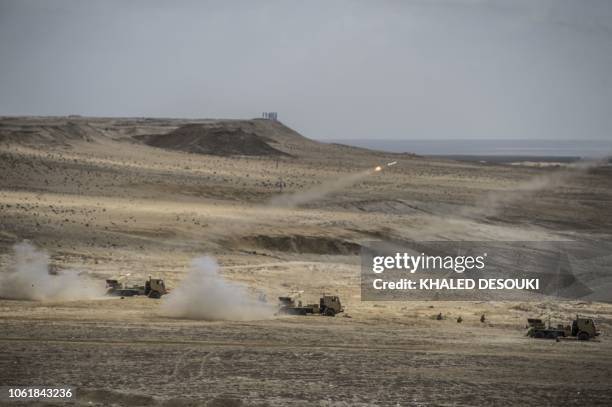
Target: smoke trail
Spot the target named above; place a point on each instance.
(205, 294)
(320, 191)
(28, 278)
(493, 202)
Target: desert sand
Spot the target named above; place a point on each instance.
(98, 200)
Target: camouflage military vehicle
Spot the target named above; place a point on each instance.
(152, 288)
(329, 305)
(581, 328)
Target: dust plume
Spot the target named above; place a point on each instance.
(493, 202)
(205, 294)
(320, 191)
(28, 278)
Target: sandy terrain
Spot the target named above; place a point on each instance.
(100, 201)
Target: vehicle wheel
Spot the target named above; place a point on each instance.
(551, 335)
(330, 312)
(538, 335)
(583, 336)
(154, 294)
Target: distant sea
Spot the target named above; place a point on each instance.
(574, 149)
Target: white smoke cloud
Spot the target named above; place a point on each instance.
(28, 278)
(205, 294)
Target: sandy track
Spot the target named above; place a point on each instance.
(317, 361)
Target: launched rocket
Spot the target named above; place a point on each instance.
(380, 167)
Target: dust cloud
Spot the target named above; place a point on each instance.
(320, 191)
(205, 294)
(493, 202)
(28, 278)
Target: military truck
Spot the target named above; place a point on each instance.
(581, 328)
(329, 305)
(152, 288)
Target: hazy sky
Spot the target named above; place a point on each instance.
(332, 69)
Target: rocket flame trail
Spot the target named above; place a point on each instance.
(391, 163)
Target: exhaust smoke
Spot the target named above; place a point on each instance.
(493, 203)
(205, 294)
(322, 190)
(28, 278)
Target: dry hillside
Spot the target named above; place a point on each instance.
(109, 197)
